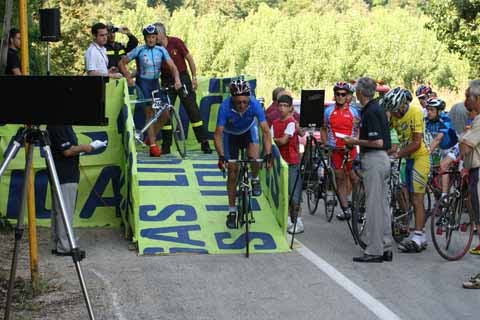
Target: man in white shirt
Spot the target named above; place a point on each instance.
(96, 60)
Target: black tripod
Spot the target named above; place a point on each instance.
(33, 135)
(314, 149)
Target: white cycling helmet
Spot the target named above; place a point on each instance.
(395, 98)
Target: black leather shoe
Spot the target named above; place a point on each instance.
(166, 149)
(387, 256)
(205, 146)
(368, 258)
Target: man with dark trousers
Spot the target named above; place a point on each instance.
(179, 53)
(374, 141)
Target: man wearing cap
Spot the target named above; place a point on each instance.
(115, 50)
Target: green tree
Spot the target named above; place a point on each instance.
(456, 24)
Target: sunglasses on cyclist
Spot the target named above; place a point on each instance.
(340, 94)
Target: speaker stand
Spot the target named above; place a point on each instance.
(48, 58)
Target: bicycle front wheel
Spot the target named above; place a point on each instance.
(329, 196)
(452, 228)
(358, 214)
(178, 133)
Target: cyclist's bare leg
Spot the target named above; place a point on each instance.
(232, 183)
(354, 178)
(253, 152)
(150, 131)
(444, 166)
(419, 209)
(342, 187)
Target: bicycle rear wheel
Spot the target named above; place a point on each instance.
(329, 196)
(245, 211)
(452, 228)
(178, 133)
(358, 214)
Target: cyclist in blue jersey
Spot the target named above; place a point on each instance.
(442, 141)
(149, 58)
(237, 127)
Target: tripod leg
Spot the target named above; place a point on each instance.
(19, 228)
(17, 144)
(76, 255)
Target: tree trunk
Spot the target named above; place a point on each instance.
(7, 21)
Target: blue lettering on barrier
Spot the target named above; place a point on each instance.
(205, 166)
(162, 170)
(153, 250)
(180, 181)
(201, 178)
(224, 208)
(206, 104)
(181, 231)
(94, 200)
(188, 250)
(190, 214)
(267, 241)
(163, 161)
(15, 194)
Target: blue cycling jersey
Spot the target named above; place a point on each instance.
(442, 125)
(236, 123)
(149, 60)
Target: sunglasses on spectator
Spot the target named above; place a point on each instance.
(340, 94)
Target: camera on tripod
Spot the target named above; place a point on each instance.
(312, 108)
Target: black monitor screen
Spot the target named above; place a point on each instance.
(311, 108)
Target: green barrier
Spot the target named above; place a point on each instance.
(169, 205)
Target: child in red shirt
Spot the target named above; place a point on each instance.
(285, 135)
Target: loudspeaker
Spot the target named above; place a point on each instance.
(50, 24)
(312, 108)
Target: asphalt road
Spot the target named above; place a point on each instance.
(318, 280)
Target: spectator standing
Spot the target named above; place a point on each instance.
(115, 50)
(179, 53)
(374, 141)
(285, 135)
(65, 153)
(96, 59)
(470, 150)
(13, 60)
(459, 116)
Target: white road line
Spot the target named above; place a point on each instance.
(115, 302)
(378, 308)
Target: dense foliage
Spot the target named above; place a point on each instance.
(457, 24)
(292, 43)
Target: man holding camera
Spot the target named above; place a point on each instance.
(179, 53)
(115, 50)
(65, 153)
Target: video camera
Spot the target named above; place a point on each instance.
(111, 28)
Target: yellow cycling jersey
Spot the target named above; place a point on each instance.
(411, 122)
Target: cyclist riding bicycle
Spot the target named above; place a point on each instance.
(407, 120)
(237, 128)
(441, 139)
(149, 58)
(341, 120)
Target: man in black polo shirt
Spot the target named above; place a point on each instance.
(374, 141)
(13, 60)
(65, 152)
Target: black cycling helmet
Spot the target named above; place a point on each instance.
(150, 29)
(423, 91)
(436, 103)
(239, 88)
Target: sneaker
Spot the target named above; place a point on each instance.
(344, 214)
(205, 147)
(475, 251)
(256, 187)
(232, 220)
(289, 223)
(165, 149)
(299, 228)
(155, 151)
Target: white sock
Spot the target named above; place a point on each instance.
(232, 209)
